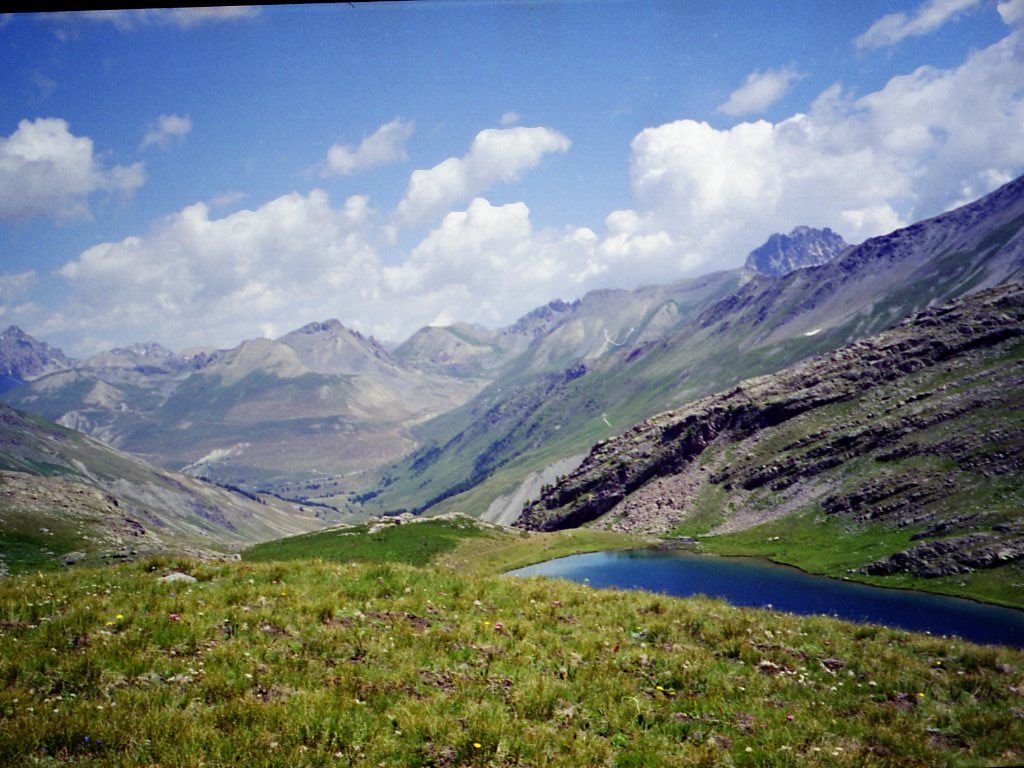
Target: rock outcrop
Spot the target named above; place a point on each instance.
(883, 432)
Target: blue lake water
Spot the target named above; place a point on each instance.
(761, 584)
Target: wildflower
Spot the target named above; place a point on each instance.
(920, 695)
(498, 626)
(174, 617)
(476, 745)
(658, 688)
(119, 617)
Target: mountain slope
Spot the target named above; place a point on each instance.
(462, 350)
(740, 326)
(523, 409)
(62, 491)
(913, 435)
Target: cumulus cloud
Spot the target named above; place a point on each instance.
(895, 27)
(509, 118)
(384, 146)
(862, 166)
(702, 198)
(198, 280)
(1011, 11)
(46, 171)
(496, 155)
(168, 128)
(760, 91)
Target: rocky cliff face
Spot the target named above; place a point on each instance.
(912, 430)
(803, 247)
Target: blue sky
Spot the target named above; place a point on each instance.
(199, 177)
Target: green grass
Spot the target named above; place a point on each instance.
(497, 555)
(368, 664)
(414, 543)
(813, 542)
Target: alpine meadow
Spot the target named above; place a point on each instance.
(498, 384)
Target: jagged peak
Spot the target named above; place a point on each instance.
(804, 246)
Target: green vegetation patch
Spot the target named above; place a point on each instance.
(322, 664)
(416, 543)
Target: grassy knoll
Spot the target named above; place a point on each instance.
(458, 542)
(325, 664)
(415, 543)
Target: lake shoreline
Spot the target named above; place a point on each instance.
(684, 573)
(686, 549)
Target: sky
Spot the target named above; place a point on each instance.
(201, 176)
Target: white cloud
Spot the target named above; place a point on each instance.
(496, 155)
(14, 285)
(510, 118)
(384, 146)
(183, 18)
(702, 198)
(464, 268)
(760, 91)
(1012, 11)
(195, 280)
(861, 166)
(46, 171)
(895, 27)
(168, 128)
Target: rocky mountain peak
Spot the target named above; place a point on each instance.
(330, 347)
(537, 321)
(803, 247)
(23, 357)
(327, 326)
(149, 350)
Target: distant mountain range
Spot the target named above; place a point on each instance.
(461, 416)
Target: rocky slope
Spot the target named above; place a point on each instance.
(803, 247)
(62, 492)
(915, 434)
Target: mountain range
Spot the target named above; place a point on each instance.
(468, 417)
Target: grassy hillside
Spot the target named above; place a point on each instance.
(326, 664)
(65, 494)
